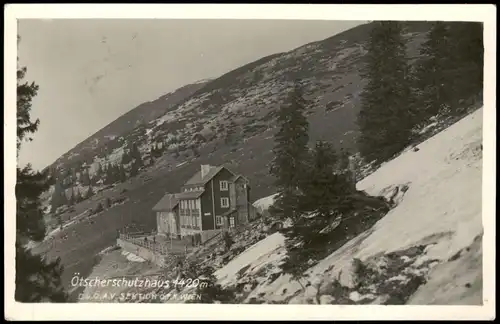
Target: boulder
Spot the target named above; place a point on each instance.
(355, 296)
(326, 299)
(380, 300)
(347, 275)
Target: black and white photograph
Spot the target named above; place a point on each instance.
(296, 161)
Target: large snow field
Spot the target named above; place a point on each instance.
(441, 211)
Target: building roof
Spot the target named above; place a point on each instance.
(167, 203)
(189, 194)
(196, 179)
(236, 177)
(229, 212)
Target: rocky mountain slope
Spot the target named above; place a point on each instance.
(228, 120)
(426, 250)
(407, 257)
(140, 115)
(231, 119)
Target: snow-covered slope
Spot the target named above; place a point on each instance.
(430, 241)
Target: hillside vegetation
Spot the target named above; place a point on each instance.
(306, 124)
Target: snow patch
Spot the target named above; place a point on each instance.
(435, 214)
(263, 204)
(132, 257)
(253, 256)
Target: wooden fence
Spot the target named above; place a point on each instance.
(148, 244)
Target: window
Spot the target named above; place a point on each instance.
(198, 204)
(218, 220)
(223, 186)
(231, 222)
(191, 204)
(224, 202)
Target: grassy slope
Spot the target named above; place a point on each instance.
(250, 156)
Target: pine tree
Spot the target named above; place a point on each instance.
(37, 279)
(97, 174)
(385, 121)
(325, 200)
(328, 198)
(71, 199)
(57, 199)
(123, 175)
(110, 174)
(325, 186)
(25, 94)
(30, 185)
(78, 196)
(468, 49)
(85, 179)
(134, 170)
(434, 74)
(154, 151)
(290, 155)
(136, 155)
(90, 192)
(126, 158)
(115, 172)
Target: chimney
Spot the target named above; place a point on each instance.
(205, 168)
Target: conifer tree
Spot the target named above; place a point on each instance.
(434, 75)
(290, 154)
(134, 170)
(111, 174)
(123, 175)
(326, 186)
(326, 199)
(126, 158)
(71, 199)
(116, 173)
(78, 196)
(97, 174)
(85, 179)
(90, 192)
(154, 151)
(58, 197)
(136, 155)
(385, 121)
(468, 59)
(37, 279)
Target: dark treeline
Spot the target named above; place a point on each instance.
(316, 193)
